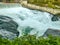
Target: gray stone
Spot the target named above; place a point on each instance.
(8, 27)
(53, 32)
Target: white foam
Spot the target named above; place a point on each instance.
(40, 21)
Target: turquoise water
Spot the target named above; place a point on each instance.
(37, 21)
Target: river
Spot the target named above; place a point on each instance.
(30, 21)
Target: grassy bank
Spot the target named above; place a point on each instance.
(31, 40)
(46, 3)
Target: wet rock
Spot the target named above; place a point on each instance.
(8, 27)
(53, 32)
(55, 18)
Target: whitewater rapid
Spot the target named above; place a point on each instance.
(37, 20)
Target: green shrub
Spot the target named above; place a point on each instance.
(31, 40)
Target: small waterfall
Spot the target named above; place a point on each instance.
(36, 22)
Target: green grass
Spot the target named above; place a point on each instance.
(31, 40)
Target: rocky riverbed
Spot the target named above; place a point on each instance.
(18, 21)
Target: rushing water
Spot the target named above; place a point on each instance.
(30, 21)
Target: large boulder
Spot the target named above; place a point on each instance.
(53, 32)
(8, 27)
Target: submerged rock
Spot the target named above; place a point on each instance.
(8, 27)
(53, 32)
(27, 30)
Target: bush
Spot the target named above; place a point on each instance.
(31, 40)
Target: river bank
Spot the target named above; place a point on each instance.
(31, 6)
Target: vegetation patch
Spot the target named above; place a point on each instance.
(31, 40)
(46, 3)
